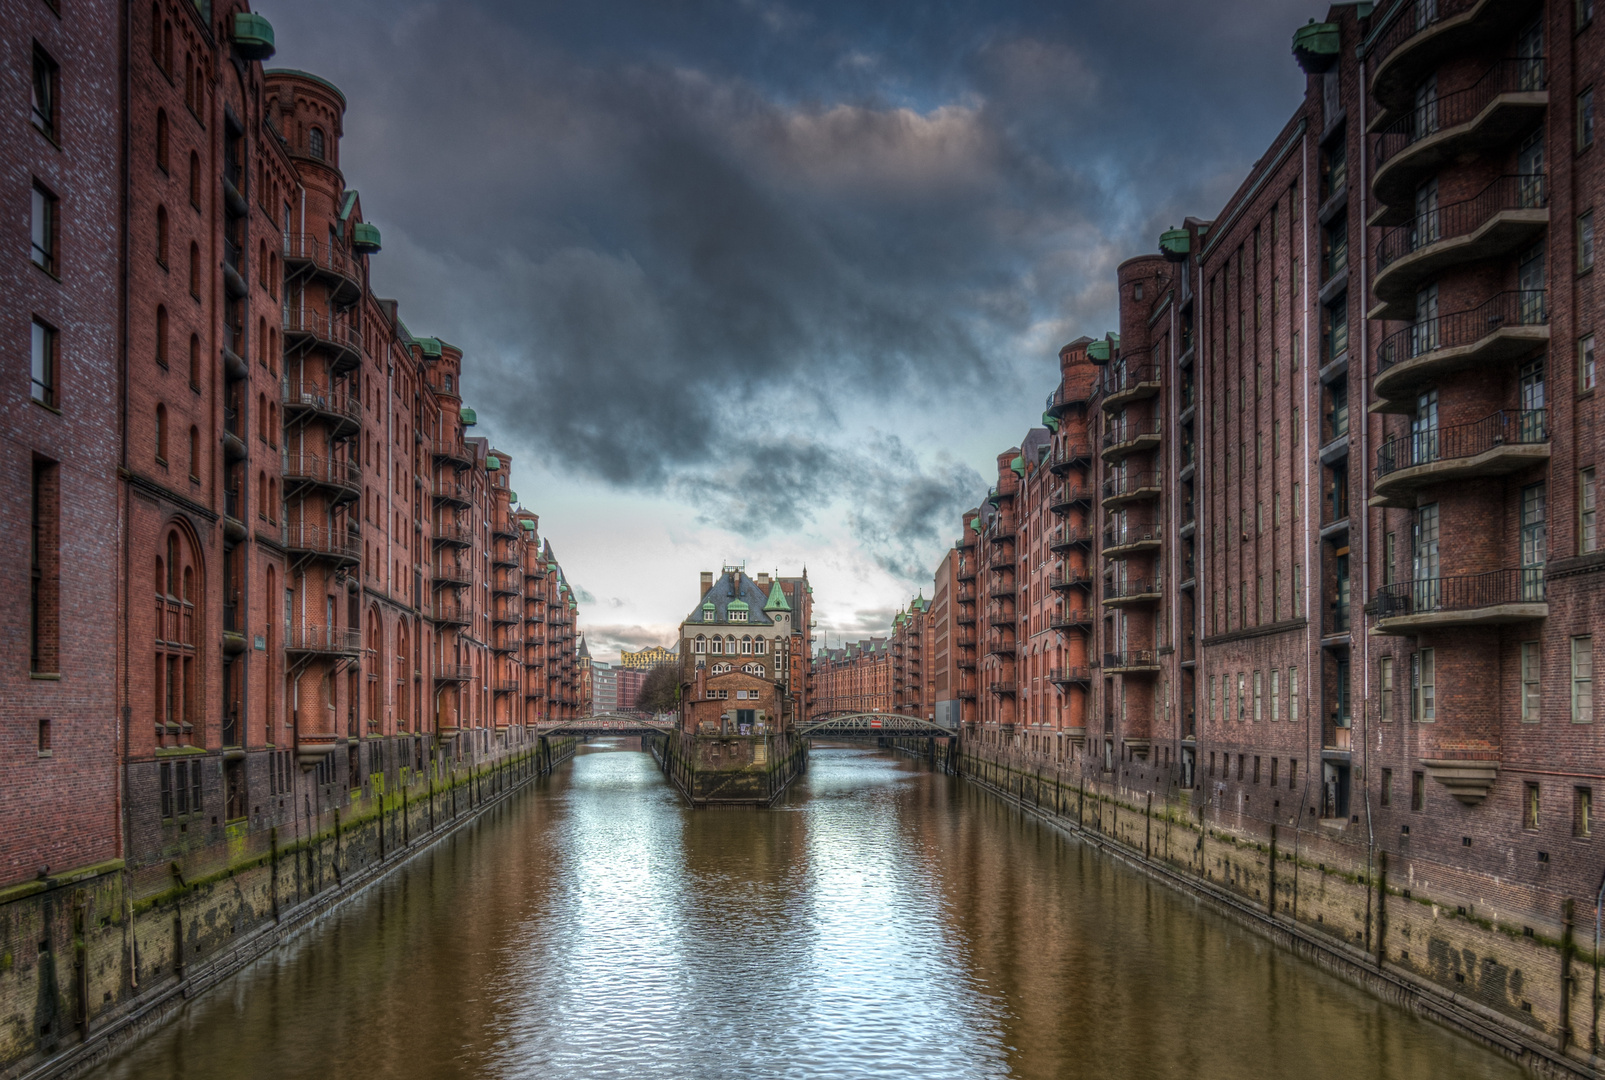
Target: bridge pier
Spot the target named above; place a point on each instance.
(731, 770)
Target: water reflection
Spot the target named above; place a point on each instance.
(882, 921)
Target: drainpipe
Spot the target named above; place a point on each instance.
(1308, 359)
(1361, 512)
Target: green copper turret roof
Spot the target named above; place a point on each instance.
(777, 599)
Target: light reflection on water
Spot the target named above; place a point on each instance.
(882, 921)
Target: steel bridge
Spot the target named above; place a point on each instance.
(605, 724)
(873, 725)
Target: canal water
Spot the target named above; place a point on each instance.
(884, 921)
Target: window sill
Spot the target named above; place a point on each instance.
(45, 405)
(48, 136)
(47, 271)
(47, 753)
(45, 676)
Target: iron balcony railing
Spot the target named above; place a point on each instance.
(1410, 17)
(1122, 377)
(1460, 592)
(451, 491)
(1518, 307)
(1000, 687)
(1067, 494)
(1069, 454)
(1133, 532)
(1132, 430)
(1069, 536)
(1070, 675)
(453, 672)
(1065, 396)
(1128, 483)
(321, 399)
(322, 639)
(1064, 579)
(450, 574)
(1120, 590)
(321, 326)
(321, 540)
(452, 533)
(317, 469)
(1514, 192)
(1503, 428)
(1069, 620)
(1131, 658)
(452, 613)
(326, 254)
(1514, 75)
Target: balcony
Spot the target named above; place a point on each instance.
(1131, 662)
(966, 571)
(451, 492)
(451, 613)
(1508, 101)
(1064, 676)
(999, 617)
(233, 435)
(504, 583)
(322, 641)
(451, 534)
(321, 542)
(453, 575)
(1070, 578)
(1124, 383)
(1068, 536)
(328, 260)
(340, 411)
(1004, 586)
(506, 640)
(1134, 538)
(965, 618)
(1073, 619)
(310, 329)
(507, 613)
(341, 479)
(1065, 397)
(453, 673)
(504, 526)
(505, 554)
(1128, 486)
(453, 452)
(1074, 452)
(1000, 645)
(1510, 213)
(1491, 599)
(1000, 688)
(1134, 437)
(965, 664)
(1496, 445)
(505, 685)
(1131, 592)
(1067, 495)
(1417, 36)
(1001, 532)
(1494, 333)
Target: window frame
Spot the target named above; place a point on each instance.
(44, 378)
(47, 259)
(47, 125)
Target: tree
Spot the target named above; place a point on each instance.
(660, 690)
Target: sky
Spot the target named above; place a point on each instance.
(774, 283)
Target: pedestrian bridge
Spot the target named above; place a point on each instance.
(873, 725)
(605, 724)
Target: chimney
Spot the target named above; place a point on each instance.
(763, 582)
(707, 583)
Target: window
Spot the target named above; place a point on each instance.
(1418, 790)
(195, 454)
(1585, 241)
(1387, 788)
(1585, 119)
(1531, 658)
(1385, 685)
(195, 179)
(194, 362)
(1423, 687)
(1587, 510)
(1585, 364)
(759, 647)
(1582, 810)
(45, 232)
(1585, 13)
(315, 143)
(161, 235)
(161, 334)
(46, 93)
(1276, 694)
(161, 139)
(1292, 694)
(1256, 768)
(1209, 702)
(1242, 704)
(161, 434)
(1583, 680)
(195, 270)
(44, 570)
(46, 350)
(1292, 774)
(1529, 806)
(1259, 700)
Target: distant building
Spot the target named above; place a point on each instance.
(629, 686)
(736, 652)
(646, 659)
(604, 687)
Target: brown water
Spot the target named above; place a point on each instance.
(885, 921)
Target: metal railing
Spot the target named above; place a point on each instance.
(448, 574)
(1124, 590)
(1070, 674)
(322, 639)
(316, 469)
(1121, 377)
(1513, 192)
(1128, 483)
(1503, 428)
(1064, 579)
(1000, 687)
(321, 399)
(322, 326)
(1514, 75)
(1518, 307)
(1410, 17)
(1069, 620)
(1069, 454)
(1460, 592)
(452, 533)
(453, 672)
(450, 611)
(1131, 658)
(1067, 494)
(1066, 396)
(325, 254)
(1069, 536)
(321, 540)
(450, 490)
(1133, 532)
(1131, 431)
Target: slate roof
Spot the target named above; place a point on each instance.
(730, 587)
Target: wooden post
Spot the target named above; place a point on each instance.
(1565, 1033)
(1271, 899)
(1382, 907)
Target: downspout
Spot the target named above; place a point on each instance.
(1302, 505)
(126, 837)
(1360, 510)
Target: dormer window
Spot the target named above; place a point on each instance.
(738, 616)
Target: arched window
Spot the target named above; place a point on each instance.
(156, 34)
(271, 702)
(262, 264)
(721, 668)
(315, 143)
(176, 697)
(273, 350)
(261, 341)
(403, 699)
(161, 139)
(700, 645)
(195, 179)
(195, 361)
(194, 453)
(746, 646)
(759, 646)
(273, 274)
(161, 235)
(273, 500)
(167, 49)
(189, 81)
(273, 425)
(753, 669)
(716, 645)
(161, 434)
(261, 417)
(730, 645)
(261, 495)
(161, 334)
(195, 270)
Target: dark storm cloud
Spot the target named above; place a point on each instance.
(689, 246)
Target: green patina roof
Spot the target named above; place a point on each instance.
(493, 463)
(1051, 421)
(1018, 465)
(468, 416)
(975, 523)
(512, 496)
(430, 346)
(319, 79)
(777, 599)
(253, 35)
(529, 526)
(737, 605)
(365, 237)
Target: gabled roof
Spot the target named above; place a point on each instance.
(777, 599)
(731, 591)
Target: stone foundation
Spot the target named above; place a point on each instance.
(730, 770)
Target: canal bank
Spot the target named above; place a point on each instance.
(1531, 997)
(91, 963)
